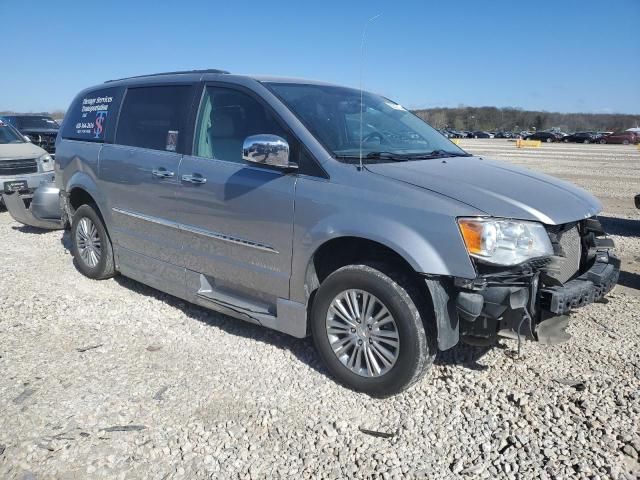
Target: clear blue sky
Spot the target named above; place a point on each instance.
(568, 55)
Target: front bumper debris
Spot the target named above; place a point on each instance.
(528, 300)
(589, 287)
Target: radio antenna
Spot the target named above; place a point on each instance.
(364, 33)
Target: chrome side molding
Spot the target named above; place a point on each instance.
(223, 237)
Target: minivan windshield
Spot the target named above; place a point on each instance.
(387, 133)
(9, 135)
(35, 121)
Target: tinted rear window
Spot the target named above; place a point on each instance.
(92, 116)
(154, 117)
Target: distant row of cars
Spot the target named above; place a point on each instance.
(41, 130)
(549, 136)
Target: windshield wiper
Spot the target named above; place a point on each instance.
(439, 153)
(396, 157)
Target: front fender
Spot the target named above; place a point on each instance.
(440, 257)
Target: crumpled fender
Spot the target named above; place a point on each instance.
(447, 324)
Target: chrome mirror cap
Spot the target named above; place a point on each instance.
(269, 150)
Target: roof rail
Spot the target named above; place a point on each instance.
(208, 70)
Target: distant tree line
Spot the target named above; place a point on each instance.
(506, 119)
(517, 119)
(54, 113)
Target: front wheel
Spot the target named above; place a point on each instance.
(91, 247)
(603, 142)
(625, 142)
(370, 330)
(549, 140)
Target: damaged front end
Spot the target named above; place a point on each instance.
(531, 300)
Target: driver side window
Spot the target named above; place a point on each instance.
(226, 118)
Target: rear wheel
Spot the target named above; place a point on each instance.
(586, 141)
(91, 246)
(368, 328)
(549, 140)
(625, 142)
(603, 142)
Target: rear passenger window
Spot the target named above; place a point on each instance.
(92, 117)
(154, 117)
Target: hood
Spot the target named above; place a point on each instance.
(47, 131)
(496, 188)
(10, 151)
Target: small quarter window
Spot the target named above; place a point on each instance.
(154, 117)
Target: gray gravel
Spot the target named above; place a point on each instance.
(113, 379)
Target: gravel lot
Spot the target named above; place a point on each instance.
(113, 379)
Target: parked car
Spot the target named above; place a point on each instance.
(502, 134)
(544, 137)
(637, 200)
(581, 137)
(624, 138)
(260, 198)
(481, 134)
(23, 165)
(41, 129)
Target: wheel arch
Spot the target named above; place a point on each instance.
(82, 189)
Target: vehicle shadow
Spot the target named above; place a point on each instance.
(463, 355)
(65, 239)
(302, 349)
(624, 227)
(31, 230)
(629, 280)
(467, 356)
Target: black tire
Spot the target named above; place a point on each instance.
(410, 310)
(625, 142)
(603, 142)
(105, 267)
(586, 141)
(565, 140)
(549, 140)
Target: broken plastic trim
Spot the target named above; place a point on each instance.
(17, 209)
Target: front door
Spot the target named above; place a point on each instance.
(237, 218)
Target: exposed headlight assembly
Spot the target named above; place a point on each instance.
(46, 161)
(504, 242)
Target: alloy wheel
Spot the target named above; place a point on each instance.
(362, 333)
(88, 242)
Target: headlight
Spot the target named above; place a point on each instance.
(504, 242)
(47, 162)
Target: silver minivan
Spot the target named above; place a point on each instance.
(320, 210)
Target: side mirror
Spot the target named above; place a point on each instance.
(269, 150)
(27, 138)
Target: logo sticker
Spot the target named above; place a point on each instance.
(98, 129)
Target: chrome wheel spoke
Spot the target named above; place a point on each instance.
(88, 242)
(342, 312)
(362, 333)
(373, 363)
(385, 355)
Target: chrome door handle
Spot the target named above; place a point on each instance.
(162, 173)
(195, 178)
